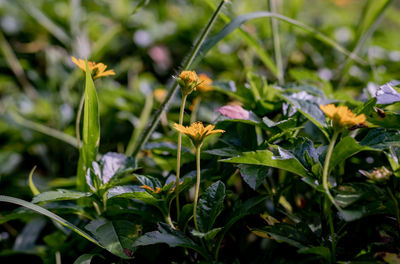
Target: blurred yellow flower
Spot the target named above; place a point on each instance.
(160, 94)
(342, 115)
(204, 83)
(158, 189)
(197, 132)
(98, 69)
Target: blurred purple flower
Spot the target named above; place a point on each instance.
(234, 112)
(386, 94)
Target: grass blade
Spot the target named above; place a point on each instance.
(49, 214)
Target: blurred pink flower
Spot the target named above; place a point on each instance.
(234, 112)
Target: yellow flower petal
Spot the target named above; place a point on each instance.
(342, 115)
(99, 69)
(204, 83)
(197, 132)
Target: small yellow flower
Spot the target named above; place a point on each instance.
(197, 132)
(98, 69)
(147, 188)
(342, 116)
(204, 83)
(160, 94)
(188, 76)
(188, 81)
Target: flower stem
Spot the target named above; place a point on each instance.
(326, 167)
(196, 196)
(178, 154)
(156, 118)
(327, 208)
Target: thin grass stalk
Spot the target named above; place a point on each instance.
(277, 44)
(156, 118)
(363, 38)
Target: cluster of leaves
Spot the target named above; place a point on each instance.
(262, 195)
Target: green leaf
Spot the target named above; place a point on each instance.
(49, 214)
(59, 195)
(324, 252)
(91, 131)
(171, 237)
(210, 206)
(185, 215)
(346, 148)
(116, 236)
(381, 139)
(254, 176)
(390, 121)
(299, 235)
(267, 158)
(85, 259)
(210, 235)
(308, 105)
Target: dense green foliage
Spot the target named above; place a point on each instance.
(84, 180)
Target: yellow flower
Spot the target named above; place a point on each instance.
(160, 94)
(98, 69)
(204, 83)
(188, 76)
(342, 116)
(197, 132)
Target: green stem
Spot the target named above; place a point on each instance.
(196, 196)
(326, 167)
(156, 118)
(277, 45)
(396, 206)
(178, 154)
(327, 208)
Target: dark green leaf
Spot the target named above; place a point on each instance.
(26, 240)
(165, 234)
(116, 236)
(84, 259)
(381, 139)
(253, 175)
(210, 206)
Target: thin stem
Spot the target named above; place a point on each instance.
(277, 45)
(327, 206)
(196, 196)
(332, 230)
(178, 154)
(396, 206)
(326, 167)
(169, 221)
(156, 118)
(78, 121)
